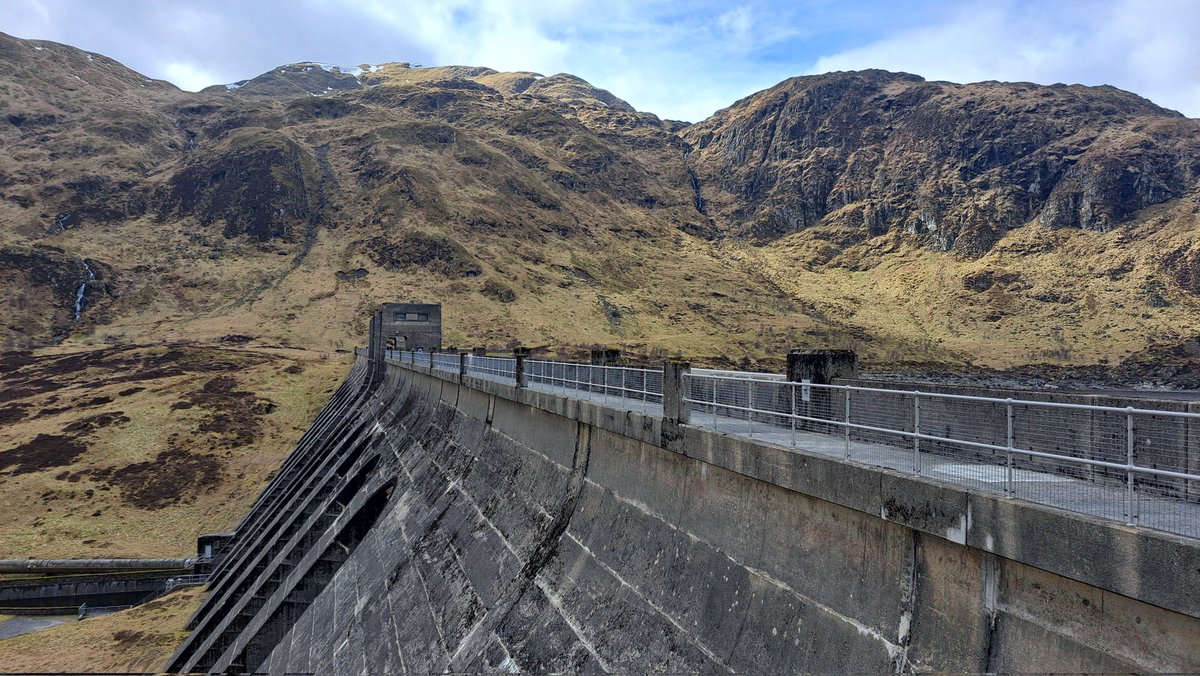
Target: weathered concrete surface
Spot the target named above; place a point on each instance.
(428, 524)
(61, 593)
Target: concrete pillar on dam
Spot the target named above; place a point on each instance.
(521, 354)
(821, 366)
(676, 410)
(606, 356)
(674, 391)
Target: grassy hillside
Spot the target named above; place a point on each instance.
(134, 451)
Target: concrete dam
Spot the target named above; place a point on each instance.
(439, 518)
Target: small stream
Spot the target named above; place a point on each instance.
(79, 295)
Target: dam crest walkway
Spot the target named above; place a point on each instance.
(724, 402)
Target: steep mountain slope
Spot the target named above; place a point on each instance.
(534, 220)
(995, 224)
(1008, 223)
(959, 165)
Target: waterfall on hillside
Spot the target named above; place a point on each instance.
(79, 294)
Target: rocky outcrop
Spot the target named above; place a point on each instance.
(955, 165)
(437, 254)
(259, 185)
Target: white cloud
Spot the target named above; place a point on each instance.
(736, 23)
(680, 59)
(497, 34)
(188, 76)
(1146, 46)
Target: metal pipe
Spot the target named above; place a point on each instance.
(27, 566)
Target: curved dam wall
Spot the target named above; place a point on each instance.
(429, 522)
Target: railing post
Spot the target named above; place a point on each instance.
(792, 387)
(1130, 516)
(750, 408)
(714, 403)
(462, 366)
(847, 430)
(917, 432)
(1008, 455)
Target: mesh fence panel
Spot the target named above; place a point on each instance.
(446, 362)
(618, 385)
(493, 368)
(1129, 465)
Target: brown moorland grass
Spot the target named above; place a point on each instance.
(136, 640)
(134, 451)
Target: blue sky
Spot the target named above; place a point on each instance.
(677, 59)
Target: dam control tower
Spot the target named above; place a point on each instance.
(412, 326)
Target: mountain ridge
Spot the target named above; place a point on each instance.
(320, 79)
(863, 209)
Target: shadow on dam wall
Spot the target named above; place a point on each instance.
(429, 522)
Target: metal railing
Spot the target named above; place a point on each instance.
(418, 357)
(171, 584)
(613, 383)
(445, 362)
(610, 382)
(1140, 466)
(1130, 464)
(494, 368)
